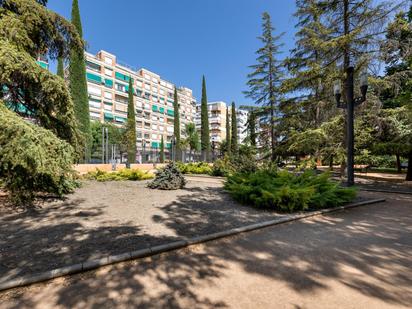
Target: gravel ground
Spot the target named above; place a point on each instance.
(112, 218)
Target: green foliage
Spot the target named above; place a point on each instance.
(32, 159)
(223, 167)
(78, 85)
(284, 191)
(168, 178)
(194, 168)
(228, 131)
(204, 126)
(176, 127)
(124, 174)
(131, 126)
(60, 67)
(35, 157)
(162, 150)
(265, 80)
(233, 140)
(117, 136)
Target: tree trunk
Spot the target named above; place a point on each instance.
(409, 172)
(398, 163)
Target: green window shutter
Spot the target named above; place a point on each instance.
(44, 65)
(155, 145)
(170, 112)
(162, 110)
(121, 76)
(108, 103)
(154, 108)
(94, 78)
(108, 83)
(108, 116)
(169, 145)
(120, 119)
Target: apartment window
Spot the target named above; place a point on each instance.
(94, 90)
(121, 87)
(147, 96)
(121, 76)
(93, 78)
(95, 104)
(108, 72)
(108, 95)
(108, 83)
(108, 60)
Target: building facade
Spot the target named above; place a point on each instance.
(108, 86)
(241, 119)
(217, 120)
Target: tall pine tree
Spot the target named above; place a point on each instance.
(131, 126)
(234, 142)
(176, 127)
(228, 129)
(204, 126)
(265, 80)
(78, 84)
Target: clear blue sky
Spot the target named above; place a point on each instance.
(183, 39)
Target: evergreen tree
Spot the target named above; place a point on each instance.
(228, 130)
(131, 126)
(78, 84)
(60, 67)
(265, 80)
(234, 142)
(36, 156)
(251, 128)
(176, 127)
(162, 150)
(204, 126)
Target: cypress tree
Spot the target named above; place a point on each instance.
(78, 84)
(234, 142)
(131, 126)
(204, 129)
(60, 67)
(162, 150)
(252, 128)
(176, 127)
(228, 141)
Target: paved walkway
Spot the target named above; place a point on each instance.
(359, 258)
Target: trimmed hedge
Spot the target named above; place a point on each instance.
(195, 168)
(125, 174)
(284, 191)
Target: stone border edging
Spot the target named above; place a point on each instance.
(141, 253)
(385, 191)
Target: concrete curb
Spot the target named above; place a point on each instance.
(113, 259)
(386, 191)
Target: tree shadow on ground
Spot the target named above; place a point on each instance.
(366, 249)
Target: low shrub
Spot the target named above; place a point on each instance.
(223, 167)
(284, 191)
(124, 174)
(168, 178)
(194, 168)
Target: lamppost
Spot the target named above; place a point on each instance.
(351, 102)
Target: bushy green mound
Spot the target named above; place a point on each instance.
(194, 168)
(223, 167)
(32, 159)
(125, 174)
(168, 178)
(284, 191)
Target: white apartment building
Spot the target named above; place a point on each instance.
(241, 119)
(217, 120)
(108, 85)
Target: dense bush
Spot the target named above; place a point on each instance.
(223, 167)
(125, 174)
(284, 191)
(375, 160)
(168, 178)
(194, 168)
(33, 159)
